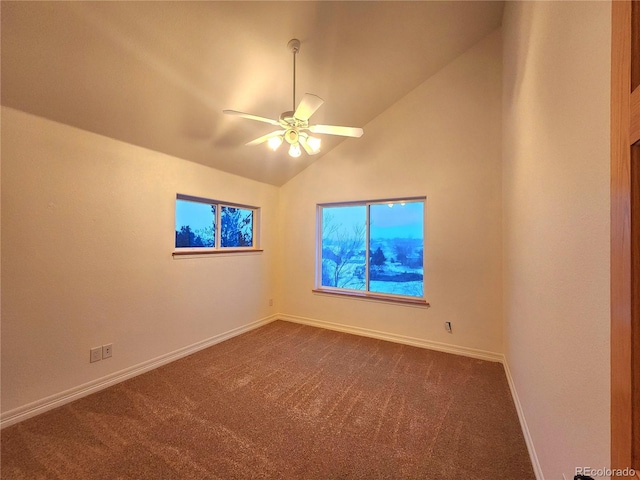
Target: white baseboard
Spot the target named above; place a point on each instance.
(442, 347)
(523, 423)
(392, 337)
(32, 409)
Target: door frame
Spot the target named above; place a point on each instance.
(625, 235)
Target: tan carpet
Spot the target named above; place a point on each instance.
(285, 401)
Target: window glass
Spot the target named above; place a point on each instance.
(209, 224)
(236, 227)
(343, 247)
(376, 247)
(396, 251)
(195, 224)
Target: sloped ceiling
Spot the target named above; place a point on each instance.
(159, 74)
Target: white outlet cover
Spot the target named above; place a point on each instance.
(96, 354)
(107, 350)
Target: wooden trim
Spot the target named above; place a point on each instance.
(625, 235)
(372, 296)
(621, 395)
(635, 306)
(634, 116)
(635, 44)
(179, 253)
(634, 133)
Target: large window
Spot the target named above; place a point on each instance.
(372, 248)
(209, 224)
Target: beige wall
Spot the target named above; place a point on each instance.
(556, 224)
(443, 141)
(87, 226)
(510, 146)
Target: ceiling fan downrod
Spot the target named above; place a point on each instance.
(294, 46)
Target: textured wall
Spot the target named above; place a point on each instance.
(443, 141)
(87, 227)
(556, 224)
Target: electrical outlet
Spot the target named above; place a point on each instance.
(107, 350)
(96, 354)
(447, 326)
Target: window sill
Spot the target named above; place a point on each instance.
(197, 253)
(416, 302)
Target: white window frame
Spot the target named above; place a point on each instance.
(218, 248)
(395, 298)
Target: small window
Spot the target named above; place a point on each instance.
(236, 227)
(372, 248)
(195, 224)
(210, 224)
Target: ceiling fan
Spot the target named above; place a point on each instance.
(294, 124)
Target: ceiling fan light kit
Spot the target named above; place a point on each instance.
(295, 123)
(274, 143)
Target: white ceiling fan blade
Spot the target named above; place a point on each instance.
(251, 117)
(264, 138)
(307, 148)
(303, 141)
(355, 132)
(307, 107)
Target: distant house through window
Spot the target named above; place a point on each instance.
(372, 247)
(210, 224)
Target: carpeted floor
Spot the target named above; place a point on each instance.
(285, 401)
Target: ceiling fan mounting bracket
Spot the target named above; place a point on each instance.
(294, 45)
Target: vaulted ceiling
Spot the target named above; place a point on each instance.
(159, 74)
